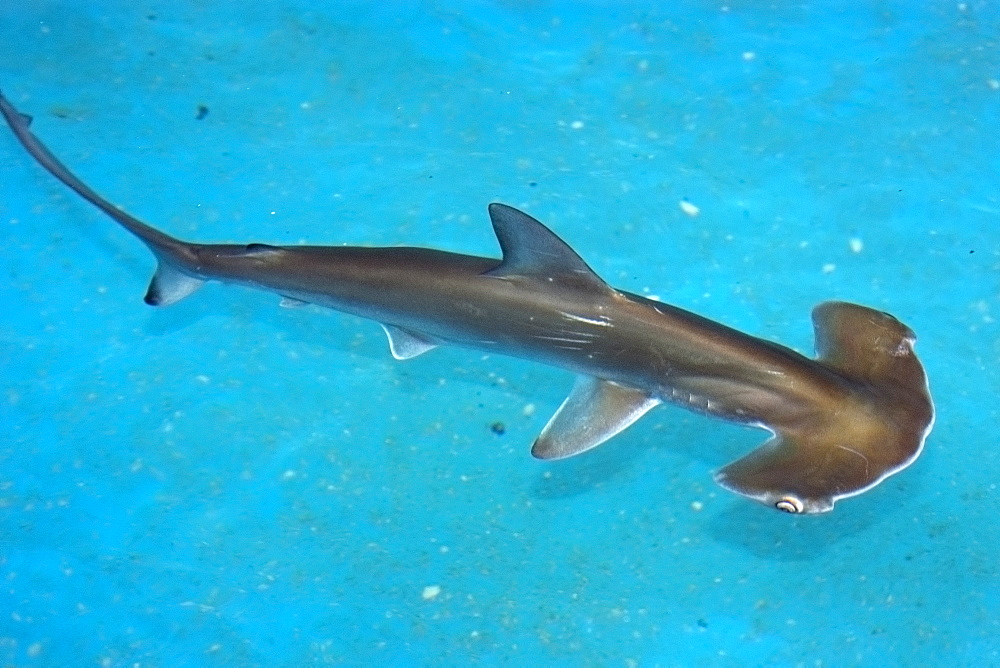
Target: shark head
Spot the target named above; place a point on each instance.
(874, 427)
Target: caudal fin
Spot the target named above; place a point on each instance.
(875, 428)
(170, 284)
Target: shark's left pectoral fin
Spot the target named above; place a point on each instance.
(594, 411)
(404, 344)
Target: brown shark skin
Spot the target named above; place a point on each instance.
(841, 423)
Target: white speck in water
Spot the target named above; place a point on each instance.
(749, 55)
(697, 505)
(288, 475)
(856, 245)
(431, 592)
(689, 208)
(576, 125)
(528, 410)
(829, 268)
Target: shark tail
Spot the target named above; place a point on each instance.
(170, 283)
(879, 429)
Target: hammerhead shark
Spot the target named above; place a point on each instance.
(839, 424)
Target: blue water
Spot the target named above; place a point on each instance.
(227, 482)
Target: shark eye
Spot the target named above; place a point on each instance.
(789, 504)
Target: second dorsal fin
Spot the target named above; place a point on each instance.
(534, 251)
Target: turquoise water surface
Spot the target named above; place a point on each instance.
(224, 482)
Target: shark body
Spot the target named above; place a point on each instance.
(840, 424)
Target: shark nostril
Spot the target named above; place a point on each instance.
(789, 504)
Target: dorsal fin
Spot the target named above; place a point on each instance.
(532, 250)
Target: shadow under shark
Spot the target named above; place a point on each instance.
(840, 424)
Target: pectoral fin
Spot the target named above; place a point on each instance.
(594, 411)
